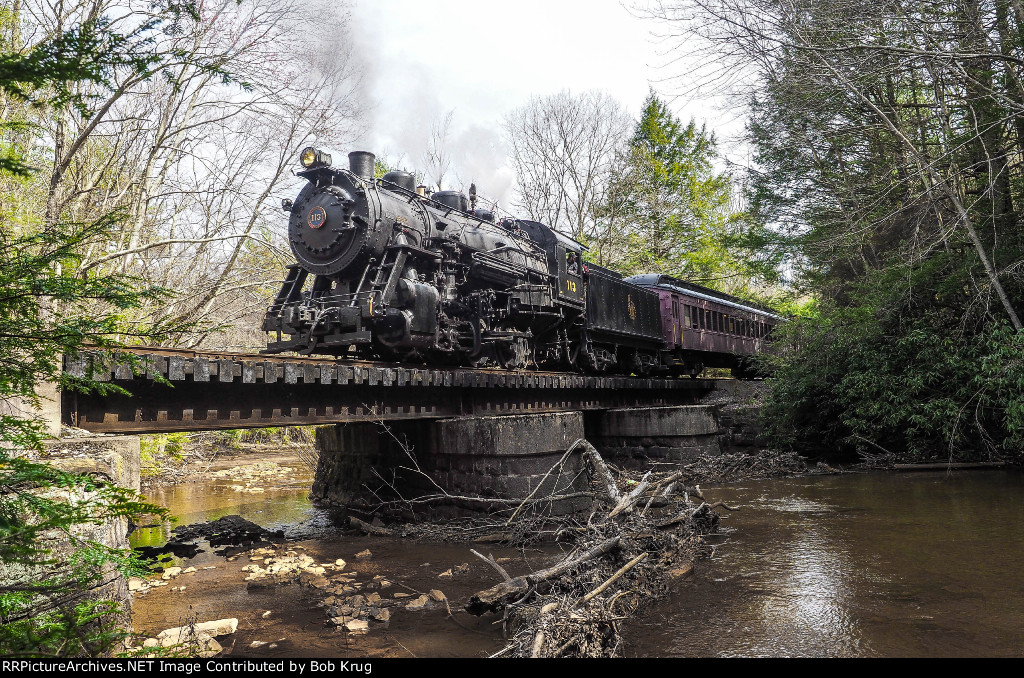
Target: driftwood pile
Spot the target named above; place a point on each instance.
(645, 533)
(732, 467)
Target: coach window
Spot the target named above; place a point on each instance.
(709, 320)
(686, 315)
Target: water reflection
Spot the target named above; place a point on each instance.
(282, 504)
(892, 565)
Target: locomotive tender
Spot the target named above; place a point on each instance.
(385, 270)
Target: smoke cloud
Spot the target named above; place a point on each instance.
(405, 99)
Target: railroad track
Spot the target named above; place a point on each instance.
(176, 364)
(180, 389)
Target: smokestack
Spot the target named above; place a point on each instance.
(361, 163)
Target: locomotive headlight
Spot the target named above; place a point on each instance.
(312, 157)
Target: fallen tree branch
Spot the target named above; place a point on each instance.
(492, 562)
(496, 597)
(368, 528)
(541, 483)
(538, 643)
(630, 499)
(611, 580)
(682, 517)
(468, 500)
(601, 470)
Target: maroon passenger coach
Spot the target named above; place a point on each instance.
(706, 328)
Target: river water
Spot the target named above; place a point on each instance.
(880, 564)
(290, 620)
(900, 564)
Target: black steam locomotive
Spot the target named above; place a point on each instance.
(386, 271)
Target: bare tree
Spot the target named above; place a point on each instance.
(904, 120)
(197, 154)
(564, 150)
(437, 158)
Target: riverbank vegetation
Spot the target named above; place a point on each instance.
(140, 146)
(887, 140)
(57, 569)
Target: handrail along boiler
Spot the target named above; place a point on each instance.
(384, 270)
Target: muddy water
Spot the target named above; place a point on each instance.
(289, 620)
(855, 565)
(912, 564)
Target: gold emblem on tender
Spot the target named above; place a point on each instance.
(631, 307)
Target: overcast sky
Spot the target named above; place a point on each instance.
(483, 59)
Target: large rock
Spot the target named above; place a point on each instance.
(198, 644)
(219, 627)
(231, 530)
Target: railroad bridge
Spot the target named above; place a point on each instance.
(473, 431)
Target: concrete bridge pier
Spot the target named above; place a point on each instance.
(655, 438)
(504, 457)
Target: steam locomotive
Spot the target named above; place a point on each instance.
(385, 270)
